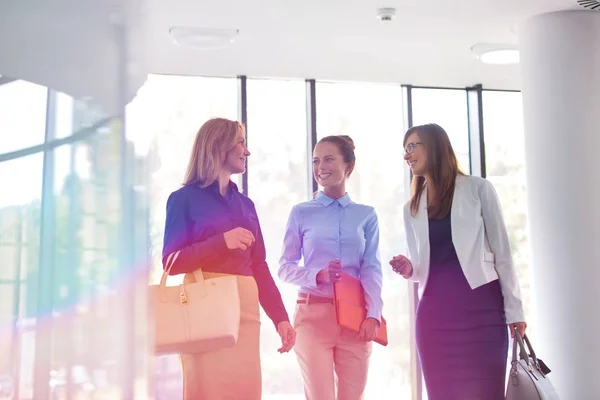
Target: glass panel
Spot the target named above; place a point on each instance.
(19, 252)
(505, 168)
(22, 115)
(86, 216)
(447, 108)
(162, 122)
(372, 116)
(277, 180)
(73, 115)
(96, 299)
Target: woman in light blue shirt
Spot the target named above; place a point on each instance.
(332, 234)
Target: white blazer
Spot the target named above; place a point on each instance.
(479, 237)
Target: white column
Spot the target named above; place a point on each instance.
(560, 64)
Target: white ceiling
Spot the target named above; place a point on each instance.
(428, 43)
(70, 45)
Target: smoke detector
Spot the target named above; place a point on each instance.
(386, 14)
(590, 4)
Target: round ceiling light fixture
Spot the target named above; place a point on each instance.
(494, 53)
(203, 38)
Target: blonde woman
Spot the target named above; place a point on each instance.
(215, 227)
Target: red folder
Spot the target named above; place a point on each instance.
(350, 307)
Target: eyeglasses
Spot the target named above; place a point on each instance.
(411, 147)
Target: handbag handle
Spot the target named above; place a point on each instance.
(198, 276)
(524, 344)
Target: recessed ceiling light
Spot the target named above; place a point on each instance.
(203, 38)
(493, 53)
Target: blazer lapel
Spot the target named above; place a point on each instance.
(457, 211)
(421, 224)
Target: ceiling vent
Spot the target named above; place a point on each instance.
(589, 4)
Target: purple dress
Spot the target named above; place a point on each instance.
(462, 337)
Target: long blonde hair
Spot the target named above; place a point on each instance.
(214, 139)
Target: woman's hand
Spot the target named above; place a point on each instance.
(402, 265)
(521, 326)
(238, 238)
(368, 329)
(330, 274)
(288, 336)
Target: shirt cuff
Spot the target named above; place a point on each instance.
(375, 315)
(311, 278)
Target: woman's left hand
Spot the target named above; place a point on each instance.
(368, 329)
(288, 336)
(521, 326)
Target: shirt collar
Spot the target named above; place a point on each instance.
(215, 186)
(326, 200)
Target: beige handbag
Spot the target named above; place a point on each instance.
(195, 317)
(528, 378)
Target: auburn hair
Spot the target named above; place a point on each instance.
(442, 170)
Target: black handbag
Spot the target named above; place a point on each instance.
(527, 379)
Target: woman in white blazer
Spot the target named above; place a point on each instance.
(459, 254)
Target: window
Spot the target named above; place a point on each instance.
(87, 216)
(89, 262)
(505, 168)
(162, 122)
(61, 224)
(19, 252)
(372, 116)
(22, 115)
(277, 180)
(447, 108)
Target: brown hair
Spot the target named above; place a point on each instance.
(346, 146)
(214, 139)
(442, 169)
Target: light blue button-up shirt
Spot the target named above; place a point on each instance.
(324, 229)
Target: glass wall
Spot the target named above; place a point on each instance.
(22, 115)
(447, 108)
(372, 116)
(20, 215)
(277, 180)
(81, 225)
(505, 168)
(73, 266)
(162, 121)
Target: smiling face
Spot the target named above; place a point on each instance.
(415, 154)
(235, 159)
(329, 167)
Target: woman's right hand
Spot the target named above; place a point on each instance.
(331, 273)
(238, 238)
(402, 265)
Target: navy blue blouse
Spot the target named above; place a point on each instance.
(196, 220)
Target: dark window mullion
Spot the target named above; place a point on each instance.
(413, 288)
(476, 135)
(243, 117)
(311, 126)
